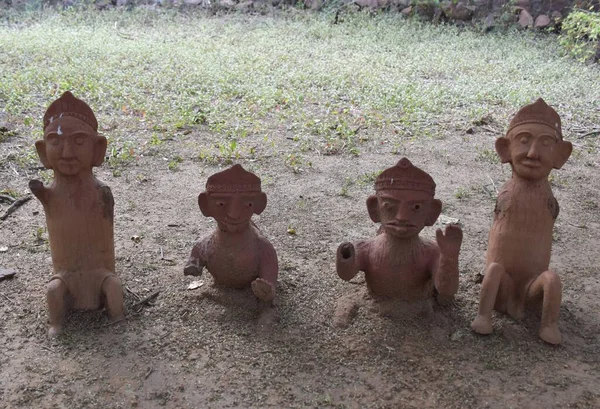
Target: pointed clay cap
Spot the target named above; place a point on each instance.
(405, 176)
(68, 105)
(233, 180)
(538, 113)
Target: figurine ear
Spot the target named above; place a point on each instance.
(203, 203)
(373, 208)
(503, 149)
(434, 212)
(40, 147)
(99, 150)
(260, 203)
(563, 152)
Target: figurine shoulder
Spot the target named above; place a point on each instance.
(502, 201)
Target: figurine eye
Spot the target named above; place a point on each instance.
(547, 142)
(53, 140)
(220, 204)
(416, 207)
(79, 140)
(249, 204)
(524, 139)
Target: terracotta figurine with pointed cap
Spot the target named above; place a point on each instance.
(236, 254)
(520, 240)
(79, 213)
(398, 264)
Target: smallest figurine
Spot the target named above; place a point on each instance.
(236, 254)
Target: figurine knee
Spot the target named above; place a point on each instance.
(113, 293)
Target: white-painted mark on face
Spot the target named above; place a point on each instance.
(59, 130)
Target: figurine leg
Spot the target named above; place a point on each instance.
(549, 286)
(482, 324)
(56, 298)
(113, 293)
(263, 289)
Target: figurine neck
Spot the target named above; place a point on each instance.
(73, 180)
(529, 183)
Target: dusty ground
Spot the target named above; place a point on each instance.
(185, 351)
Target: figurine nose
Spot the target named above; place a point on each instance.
(403, 215)
(67, 151)
(534, 150)
(234, 210)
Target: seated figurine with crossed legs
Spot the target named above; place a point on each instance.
(236, 254)
(79, 213)
(398, 264)
(520, 240)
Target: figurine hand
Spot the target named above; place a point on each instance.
(263, 289)
(346, 251)
(450, 240)
(192, 268)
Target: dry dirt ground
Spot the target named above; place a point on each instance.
(186, 351)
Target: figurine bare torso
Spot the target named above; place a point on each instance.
(405, 275)
(226, 263)
(82, 216)
(520, 233)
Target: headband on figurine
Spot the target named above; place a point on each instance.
(405, 176)
(537, 113)
(233, 180)
(68, 105)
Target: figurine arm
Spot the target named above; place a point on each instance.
(445, 268)
(39, 190)
(349, 261)
(198, 258)
(264, 286)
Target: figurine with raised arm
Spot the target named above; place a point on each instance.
(520, 240)
(79, 213)
(236, 254)
(398, 264)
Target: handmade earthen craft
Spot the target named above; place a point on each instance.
(79, 213)
(520, 240)
(398, 264)
(236, 254)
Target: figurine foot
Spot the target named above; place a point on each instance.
(482, 325)
(264, 290)
(551, 334)
(54, 331)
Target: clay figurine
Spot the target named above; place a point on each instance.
(236, 254)
(398, 264)
(79, 213)
(520, 240)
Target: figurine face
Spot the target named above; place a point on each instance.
(70, 146)
(533, 150)
(404, 213)
(232, 211)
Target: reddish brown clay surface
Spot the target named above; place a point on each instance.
(236, 254)
(398, 264)
(79, 213)
(520, 240)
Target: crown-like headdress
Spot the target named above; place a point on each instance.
(233, 180)
(538, 113)
(405, 176)
(68, 105)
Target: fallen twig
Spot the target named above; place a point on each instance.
(130, 291)
(148, 373)
(7, 198)
(493, 184)
(18, 203)
(9, 300)
(146, 300)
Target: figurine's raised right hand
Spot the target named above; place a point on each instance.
(346, 251)
(346, 265)
(193, 268)
(38, 189)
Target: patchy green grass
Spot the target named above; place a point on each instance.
(162, 72)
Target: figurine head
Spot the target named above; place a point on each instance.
(404, 200)
(71, 143)
(231, 198)
(534, 143)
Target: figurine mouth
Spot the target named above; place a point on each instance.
(68, 161)
(530, 163)
(401, 227)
